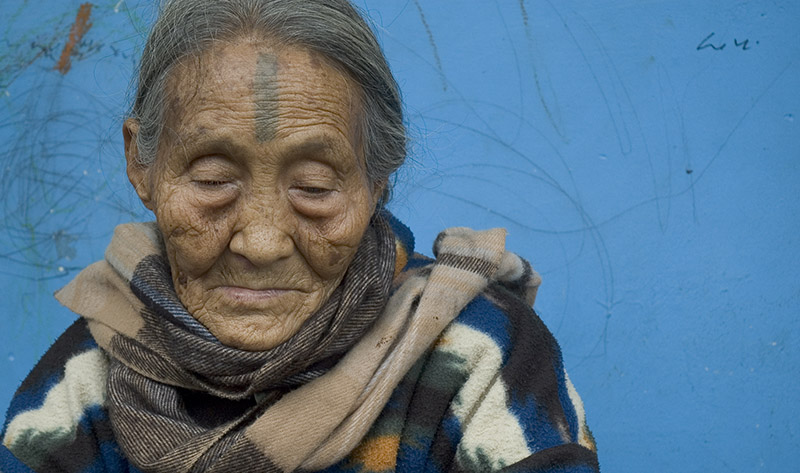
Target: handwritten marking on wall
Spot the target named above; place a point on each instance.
(79, 28)
(708, 43)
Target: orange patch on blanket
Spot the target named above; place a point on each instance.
(378, 454)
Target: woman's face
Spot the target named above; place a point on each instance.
(259, 187)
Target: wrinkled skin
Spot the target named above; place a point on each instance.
(259, 187)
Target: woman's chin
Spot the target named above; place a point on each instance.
(252, 332)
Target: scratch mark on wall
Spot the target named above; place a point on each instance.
(517, 68)
(688, 166)
(614, 107)
(551, 112)
(671, 116)
(433, 45)
(755, 101)
(590, 230)
(79, 28)
(623, 105)
(524, 13)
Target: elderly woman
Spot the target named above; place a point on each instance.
(275, 316)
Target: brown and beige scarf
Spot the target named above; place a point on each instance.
(312, 398)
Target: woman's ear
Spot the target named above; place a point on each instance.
(138, 173)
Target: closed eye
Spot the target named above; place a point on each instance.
(314, 190)
(211, 183)
(314, 201)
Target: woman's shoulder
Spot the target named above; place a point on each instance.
(497, 335)
(509, 400)
(503, 318)
(490, 394)
(59, 405)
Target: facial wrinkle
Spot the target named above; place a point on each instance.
(266, 96)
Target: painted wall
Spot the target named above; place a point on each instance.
(644, 155)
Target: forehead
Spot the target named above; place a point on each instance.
(247, 82)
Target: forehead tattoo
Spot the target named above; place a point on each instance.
(265, 90)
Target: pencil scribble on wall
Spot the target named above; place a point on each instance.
(58, 178)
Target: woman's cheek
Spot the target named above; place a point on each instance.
(331, 243)
(193, 233)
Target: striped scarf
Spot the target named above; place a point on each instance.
(303, 406)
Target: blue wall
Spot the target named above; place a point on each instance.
(644, 155)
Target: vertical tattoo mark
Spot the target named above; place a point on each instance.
(79, 28)
(265, 91)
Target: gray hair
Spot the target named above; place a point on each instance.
(332, 28)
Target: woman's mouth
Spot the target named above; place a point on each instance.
(248, 295)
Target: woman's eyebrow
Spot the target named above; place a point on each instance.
(195, 142)
(325, 149)
(309, 146)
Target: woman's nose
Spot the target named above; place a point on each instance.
(262, 241)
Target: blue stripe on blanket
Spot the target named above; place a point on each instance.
(484, 316)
